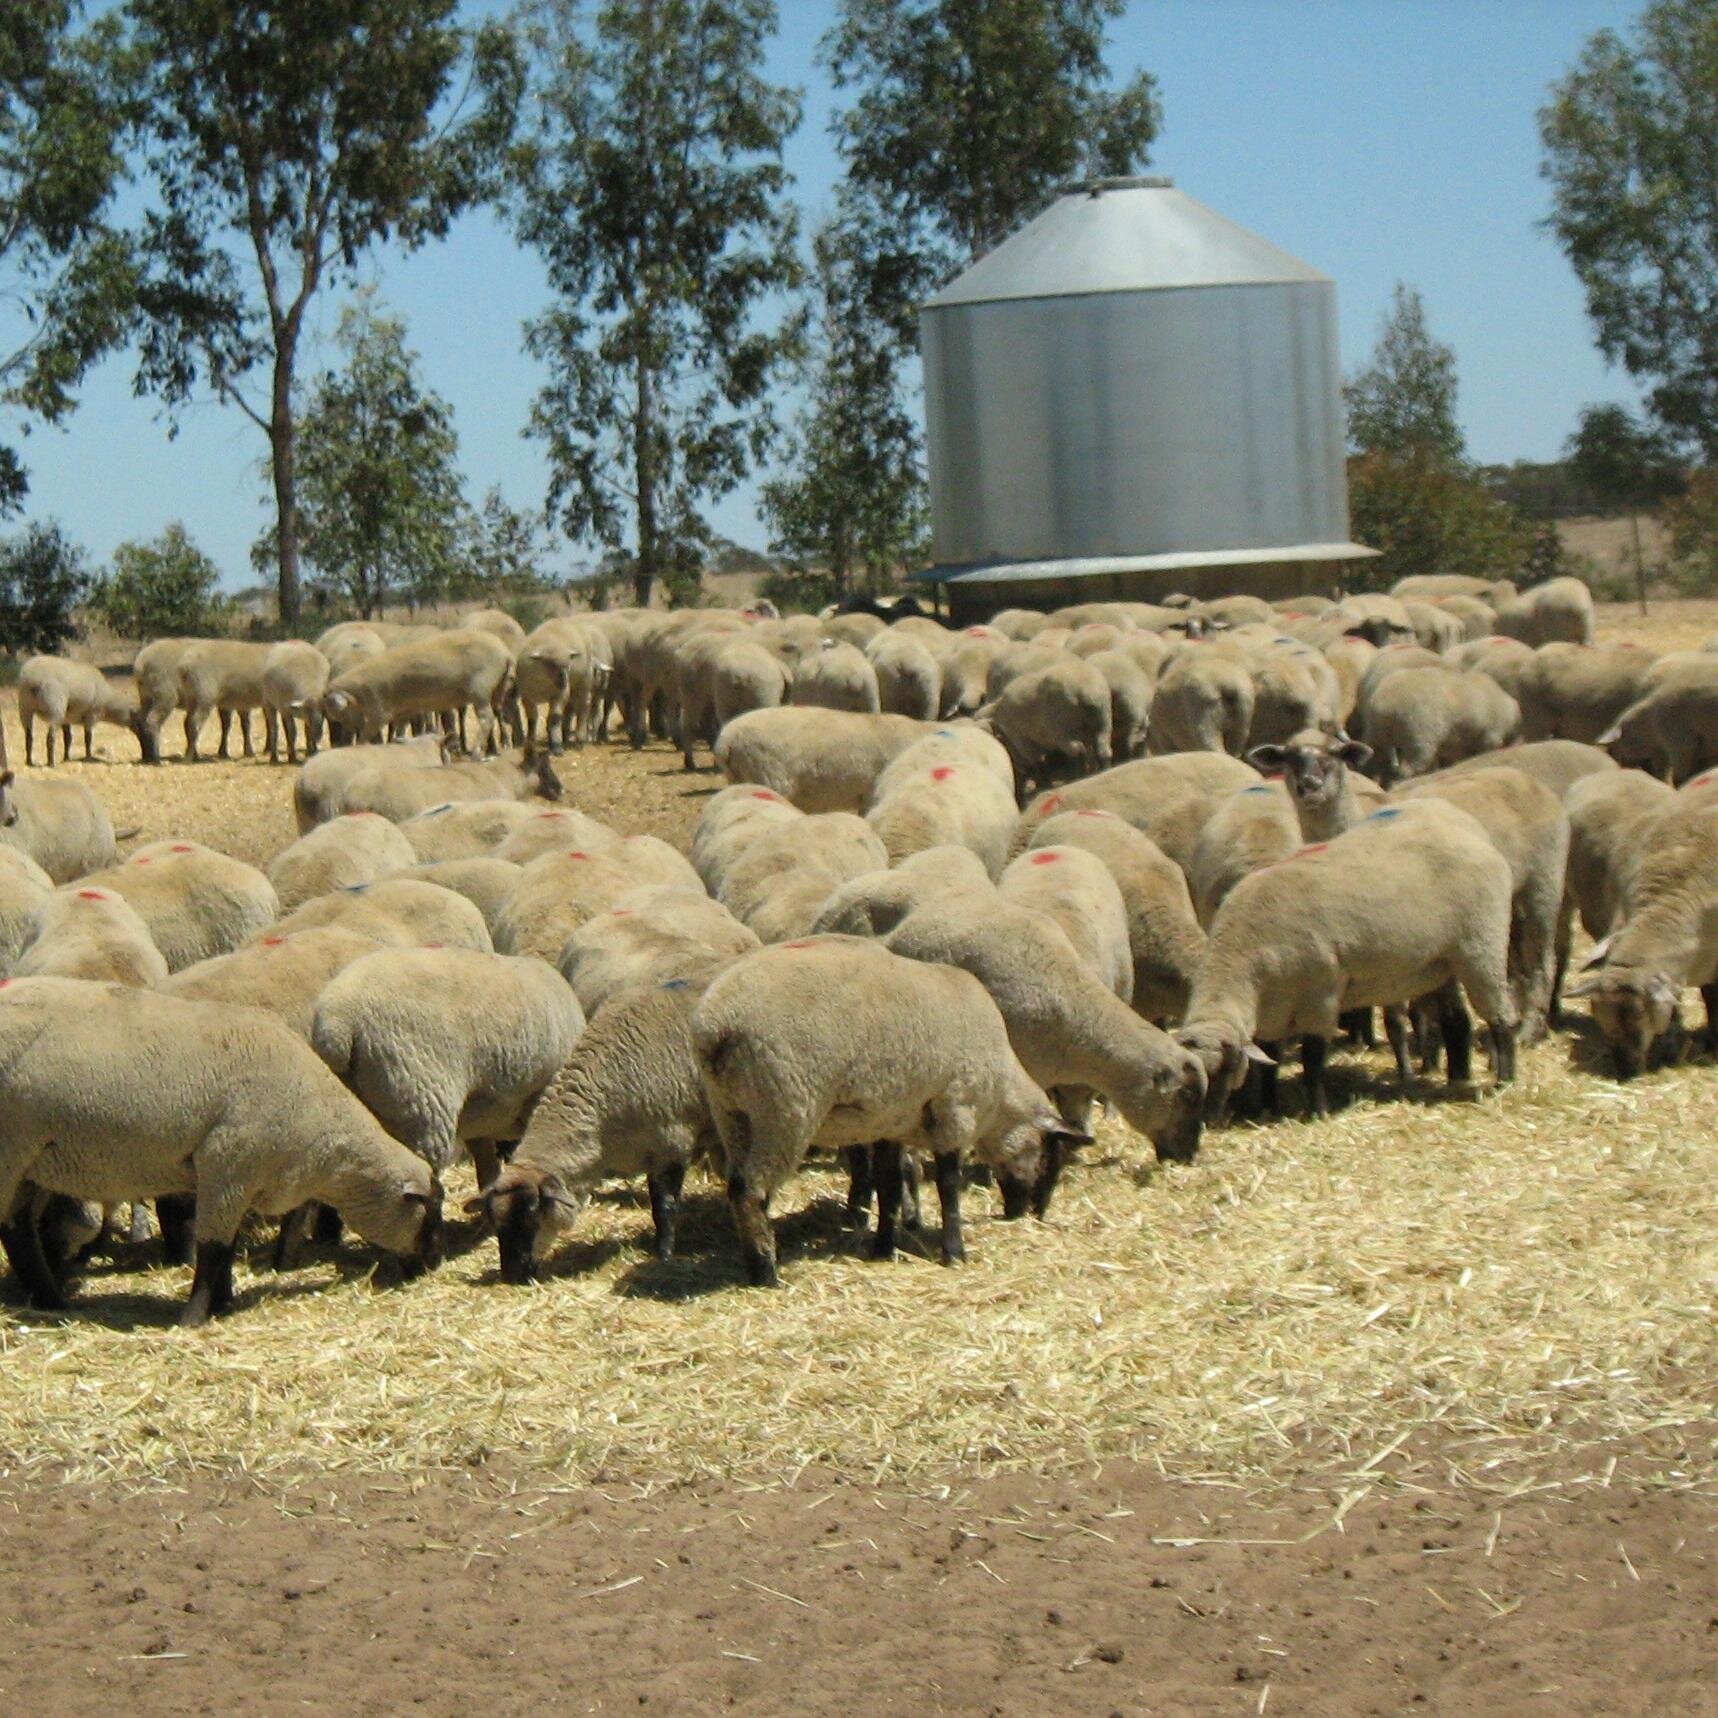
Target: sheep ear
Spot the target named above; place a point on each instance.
(1597, 953)
(1254, 1054)
(551, 1190)
(1610, 736)
(1355, 753)
(7, 777)
(1267, 757)
(409, 1190)
(477, 1207)
(1660, 989)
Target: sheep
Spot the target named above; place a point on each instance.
(728, 824)
(1391, 659)
(225, 675)
(962, 743)
(909, 682)
(1477, 619)
(855, 629)
(1410, 898)
(1349, 658)
(875, 902)
(399, 793)
(1021, 624)
(1526, 823)
(401, 912)
(196, 902)
(558, 892)
(1203, 702)
(155, 674)
(651, 659)
(485, 882)
(820, 760)
(1505, 660)
(1436, 628)
(779, 883)
(647, 937)
(1608, 819)
(1672, 729)
(1131, 691)
(114, 1094)
(555, 668)
(1250, 829)
(439, 676)
(447, 1047)
(1142, 792)
(1433, 586)
(945, 805)
(838, 1042)
(1015, 660)
(1059, 715)
(551, 830)
(1292, 691)
(1320, 775)
(357, 848)
(1164, 935)
(1076, 890)
(499, 623)
(1382, 619)
(745, 676)
(1577, 691)
(295, 677)
(321, 780)
(1666, 939)
(1238, 610)
(61, 693)
(627, 1101)
(965, 672)
(464, 829)
(1560, 610)
(1422, 718)
(282, 973)
(24, 889)
(94, 934)
(61, 825)
(1556, 764)
(838, 677)
(1071, 1032)
(349, 643)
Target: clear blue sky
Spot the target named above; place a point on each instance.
(1378, 139)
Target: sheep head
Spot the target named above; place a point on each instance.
(1634, 1009)
(529, 1210)
(1225, 1052)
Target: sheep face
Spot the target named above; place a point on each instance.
(1167, 1104)
(1634, 1011)
(1224, 1051)
(529, 1210)
(1314, 772)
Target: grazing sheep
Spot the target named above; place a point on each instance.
(945, 805)
(114, 1094)
(875, 902)
(1577, 691)
(1143, 792)
(820, 760)
(94, 934)
(1436, 628)
(779, 884)
(60, 694)
(838, 677)
(485, 882)
(1425, 718)
(281, 974)
(1132, 688)
(1556, 764)
(196, 902)
(294, 678)
(745, 676)
(224, 675)
(1292, 691)
(1608, 819)
(441, 676)
(730, 822)
(555, 669)
(400, 793)
(1349, 658)
(1505, 660)
(497, 621)
(357, 848)
(1055, 717)
(909, 682)
(350, 642)
(1433, 586)
(401, 912)
(1476, 619)
(965, 671)
(854, 629)
(552, 830)
(1408, 899)
(25, 888)
(837, 1042)
(1668, 937)
(464, 829)
(1671, 729)
(59, 824)
(963, 743)
(1251, 829)
(1021, 624)
(447, 1047)
(1527, 824)
(558, 892)
(627, 1101)
(155, 675)
(320, 784)
(647, 937)
(1075, 890)
(1560, 610)
(1203, 703)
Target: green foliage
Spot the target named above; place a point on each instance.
(653, 188)
(1541, 489)
(63, 113)
(1426, 516)
(853, 498)
(1693, 521)
(504, 552)
(378, 475)
(1626, 466)
(286, 141)
(1404, 401)
(799, 590)
(966, 115)
(159, 589)
(44, 576)
(1630, 141)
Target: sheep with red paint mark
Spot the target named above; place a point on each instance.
(91, 933)
(356, 848)
(197, 903)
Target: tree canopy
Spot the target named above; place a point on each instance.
(285, 142)
(1631, 153)
(43, 578)
(159, 588)
(1404, 400)
(653, 188)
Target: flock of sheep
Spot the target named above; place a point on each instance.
(964, 885)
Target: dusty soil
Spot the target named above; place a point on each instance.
(1119, 1593)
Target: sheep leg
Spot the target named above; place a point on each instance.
(1502, 1052)
(948, 1195)
(194, 719)
(245, 733)
(1313, 1050)
(226, 732)
(138, 1232)
(29, 741)
(89, 741)
(1457, 1026)
(49, 726)
(212, 1286)
(65, 742)
(485, 1162)
(271, 721)
(665, 1205)
(1396, 1028)
(22, 1240)
(860, 1187)
(757, 1237)
(176, 1213)
(886, 1173)
(295, 1229)
(1361, 1026)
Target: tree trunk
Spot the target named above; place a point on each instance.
(283, 436)
(644, 569)
(1639, 562)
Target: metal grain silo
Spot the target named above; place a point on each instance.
(1133, 395)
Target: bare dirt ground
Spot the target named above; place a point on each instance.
(1415, 1409)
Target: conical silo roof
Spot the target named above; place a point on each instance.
(1123, 235)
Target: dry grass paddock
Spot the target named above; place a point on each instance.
(1526, 1274)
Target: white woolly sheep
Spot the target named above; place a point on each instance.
(357, 848)
(1577, 691)
(909, 681)
(155, 675)
(61, 825)
(875, 902)
(400, 912)
(400, 793)
(62, 694)
(1558, 610)
(729, 822)
(485, 882)
(196, 902)
(281, 974)
(945, 805)
(1423, 719)
(647, 937)
(838, 677)
(1054, 718)
(224, 675)
(820, 760)
(558, 892)
(441, 676)
(321, 780)
(552, 829)
(295, 676)
(465, 829)
(1075, 890)
(1245, 832)
(94, 934)
(1203, 702)
(24, 889)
